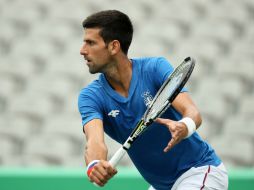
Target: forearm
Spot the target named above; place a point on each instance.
(186, 107)
(95, 151)
(100, 171)
(96, 148)
(194, 114)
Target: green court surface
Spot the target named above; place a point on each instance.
(75, 179)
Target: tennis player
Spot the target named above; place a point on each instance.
(170, 154)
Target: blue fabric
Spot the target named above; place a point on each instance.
(121, 114)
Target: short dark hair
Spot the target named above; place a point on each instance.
(114, 25)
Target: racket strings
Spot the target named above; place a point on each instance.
(169, 89)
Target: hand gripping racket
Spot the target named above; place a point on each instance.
(162, 100)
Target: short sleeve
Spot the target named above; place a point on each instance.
(89, 107)
(163, 69)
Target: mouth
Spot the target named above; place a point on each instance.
(88, 61)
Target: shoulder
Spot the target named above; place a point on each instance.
(154, 66)
(150, 62)
(91, 90)
(91, 98)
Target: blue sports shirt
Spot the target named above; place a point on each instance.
(120, 115)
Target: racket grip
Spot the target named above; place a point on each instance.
(117, 157)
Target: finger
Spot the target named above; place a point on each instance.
(170, 145)
(99, 175)
(162, 121)
(103, 174)
(111, 171)
(96, 175)
(115, 171)
(94, 178)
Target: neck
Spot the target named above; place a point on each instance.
(119, 76)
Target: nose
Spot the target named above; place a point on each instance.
(83, 50)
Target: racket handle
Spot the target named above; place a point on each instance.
(117, 157)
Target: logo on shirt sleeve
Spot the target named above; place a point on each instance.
(114, 113)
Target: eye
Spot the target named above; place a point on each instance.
(90, 42)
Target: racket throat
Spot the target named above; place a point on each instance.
(128, 143)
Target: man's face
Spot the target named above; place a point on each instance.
(95, 51)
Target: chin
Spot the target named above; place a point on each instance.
(92, 71)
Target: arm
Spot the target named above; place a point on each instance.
(185, 106)
(96, 149)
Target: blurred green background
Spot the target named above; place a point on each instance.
(65, 179)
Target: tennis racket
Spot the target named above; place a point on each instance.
(162, 100)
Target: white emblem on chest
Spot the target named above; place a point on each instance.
(148, 98)
(113, 113)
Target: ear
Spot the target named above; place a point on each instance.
(114, 47)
